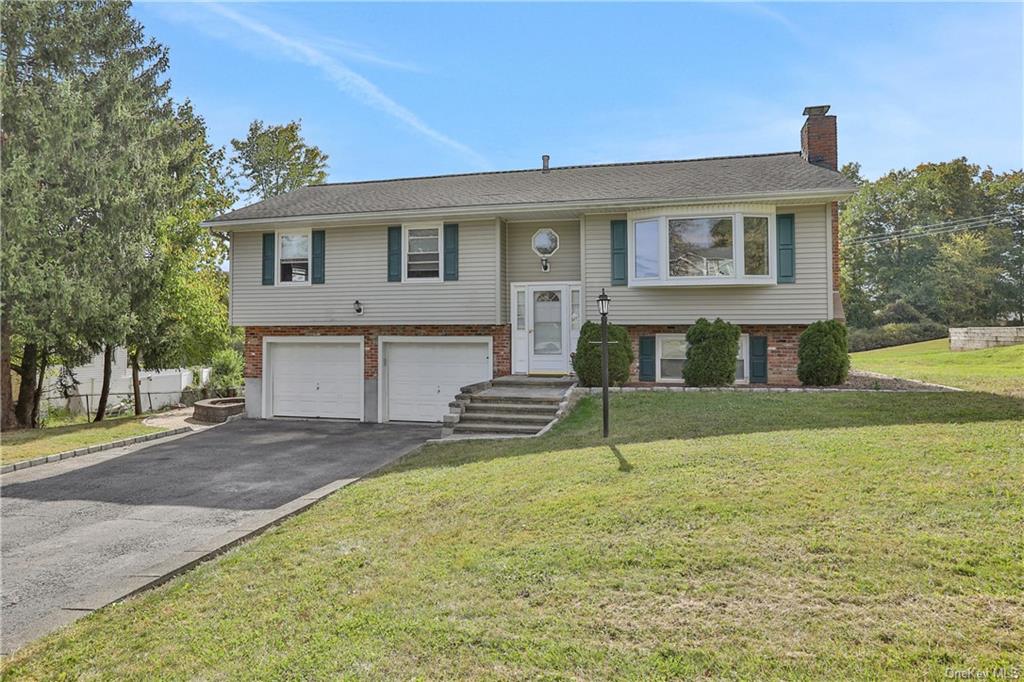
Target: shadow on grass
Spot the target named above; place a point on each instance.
(650, 417)
(624, 465)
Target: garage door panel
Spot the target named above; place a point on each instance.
(317, 380)
(423, 377)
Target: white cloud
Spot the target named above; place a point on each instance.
(347, 80)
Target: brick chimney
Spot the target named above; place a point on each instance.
(818, 137)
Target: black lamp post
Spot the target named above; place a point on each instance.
(602, 307)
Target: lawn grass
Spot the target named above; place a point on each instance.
(715, 535)
(29, 443)
(997, 370)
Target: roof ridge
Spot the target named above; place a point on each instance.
(552, 168)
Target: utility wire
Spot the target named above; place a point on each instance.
(936, 229)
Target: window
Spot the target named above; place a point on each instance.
(423, 253)
(700, 247)
(755, 245)
(645, 248)
(545, 242)
(671, 358)
(574, 309)
(702, 250)
(293, 258)
(521, 309)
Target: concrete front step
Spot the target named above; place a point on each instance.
(496, 428)
(506, 418)
(533, 382)
(514, 399)
(512, 408)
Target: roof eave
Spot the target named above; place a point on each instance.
(793, 196)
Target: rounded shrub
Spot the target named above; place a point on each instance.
(711, 349)
(823, 357)
(226, 370)
(586, 362)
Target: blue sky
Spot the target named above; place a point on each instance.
(391, 90)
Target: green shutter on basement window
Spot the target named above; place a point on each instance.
(318, 256)
(451, 252)
(647, 359)
(785, 231)
(618, 253)
(395, 253)
(268, 257)
(759, 359)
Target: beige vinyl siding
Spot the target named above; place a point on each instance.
(524, 264)
(356, 268)
(503, 282)
(804, 301)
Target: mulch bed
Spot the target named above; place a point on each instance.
(857, 381)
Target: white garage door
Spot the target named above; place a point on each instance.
(316, 380)
(423, 377)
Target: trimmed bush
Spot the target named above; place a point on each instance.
(711, 349)
(226, 371)
(899, 312)
(823, 356)
(895, 334)
(586, 362)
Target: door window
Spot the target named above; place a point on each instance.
(547, 323)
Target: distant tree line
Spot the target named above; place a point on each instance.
(935, 246)
(105, 183)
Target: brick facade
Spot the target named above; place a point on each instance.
(783, 343)
(499, 333)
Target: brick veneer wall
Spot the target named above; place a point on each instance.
(500, 335)
(783, 344)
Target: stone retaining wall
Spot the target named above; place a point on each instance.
(976, 338)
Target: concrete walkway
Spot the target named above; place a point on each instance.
(80, 533)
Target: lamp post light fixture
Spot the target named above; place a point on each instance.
(602, 307)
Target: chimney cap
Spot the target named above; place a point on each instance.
(544, 161)
(819, 110)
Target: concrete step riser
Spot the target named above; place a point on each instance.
(530, 420)
(491, 427)
(516, 400)
(535, 410)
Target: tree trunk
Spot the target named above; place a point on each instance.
(101, 405)
(136, 391)
(7, 420)
(27, 389)
(44, 358)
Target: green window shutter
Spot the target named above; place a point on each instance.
(785, 231)
(451, 252)
(618, 253)
(647, 359)
(268, 257)
(395, 253)
(318, 256)
(759, 359)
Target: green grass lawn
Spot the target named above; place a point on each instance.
(719, 535)
(28, 443)
(997, 370)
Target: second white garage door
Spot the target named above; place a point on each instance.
(422, 377)
(313, 379)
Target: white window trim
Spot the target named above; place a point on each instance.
(663, 278)
(744, 351)
(558, 242)
(405, 252)
(308, 232)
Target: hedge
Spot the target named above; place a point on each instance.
(711, 349)
(586, 362)
(895, 334)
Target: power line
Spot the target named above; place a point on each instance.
(935, 229)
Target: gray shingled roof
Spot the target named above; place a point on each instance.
(731, 176)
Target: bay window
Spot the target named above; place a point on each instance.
(670, 250)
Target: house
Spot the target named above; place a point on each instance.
(158, 388)
(378, 300)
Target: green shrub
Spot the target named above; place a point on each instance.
(899, 312)
(895, 334)
(586, 362)
(823, 359)
(226, 370)
(711, 349)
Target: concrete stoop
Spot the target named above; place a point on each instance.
(508, 406)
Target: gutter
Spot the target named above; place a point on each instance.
(489, 210)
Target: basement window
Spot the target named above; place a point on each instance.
(670, 358)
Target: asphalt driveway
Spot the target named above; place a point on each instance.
(76, 533)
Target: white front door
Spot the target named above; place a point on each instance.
(546, 320)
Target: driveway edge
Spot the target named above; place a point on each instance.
(36, 461)
(158, 574)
